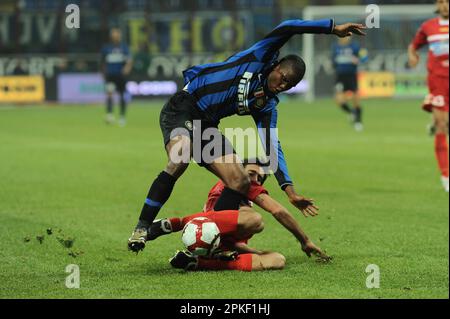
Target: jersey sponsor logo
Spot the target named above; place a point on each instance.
(260, 98)
(243, 91)
(440, 48)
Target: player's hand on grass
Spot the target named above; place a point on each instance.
(348, 29)
(311, 249)
(305, 205)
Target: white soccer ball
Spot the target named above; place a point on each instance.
(201, 236)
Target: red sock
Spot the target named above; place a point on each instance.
(441, 150)
(242, 263)
(176, 224)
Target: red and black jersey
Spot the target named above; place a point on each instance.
(215, 192)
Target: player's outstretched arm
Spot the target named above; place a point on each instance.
(348, 29)
(285, 218)
(305, 205)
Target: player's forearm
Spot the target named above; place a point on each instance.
(289, 222)
(412, 50)
(292, 27)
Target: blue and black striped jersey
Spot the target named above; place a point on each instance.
(239, 84)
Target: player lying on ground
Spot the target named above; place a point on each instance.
(245, 84)
(236, 227)
(257, 194)
(434, 32)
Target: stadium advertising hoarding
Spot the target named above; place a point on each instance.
(90, 88)
(376, 84)
(389, 84)
(22, 89)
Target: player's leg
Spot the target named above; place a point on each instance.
(121, 88)
(441, 145)
(358, 123)
(230, 170)
(160, 191)
(239, 225)
(110, 89)
(341, 99)
(243, 262)
(178, 141)
(268, 261)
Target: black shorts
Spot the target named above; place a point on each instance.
(115, 83)
(347, 82)
(181, 117)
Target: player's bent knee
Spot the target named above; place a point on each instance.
(176, 169)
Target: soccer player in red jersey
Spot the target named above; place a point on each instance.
(237, 227)
(434, 33)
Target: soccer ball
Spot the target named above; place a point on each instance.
(201, 236)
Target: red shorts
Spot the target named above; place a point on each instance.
(438, 94)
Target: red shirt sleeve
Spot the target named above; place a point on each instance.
(213, 196)
(255, 191)
(420, 39)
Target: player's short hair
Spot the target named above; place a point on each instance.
(295, 63)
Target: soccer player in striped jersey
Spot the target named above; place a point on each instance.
(116, 64)
(247, 83)
(346, 57)
(434, 33)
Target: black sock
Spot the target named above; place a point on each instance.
(358, 115)
(229, 200)
(109, 105)
(346, 108)
(157, 196)
(123, 105)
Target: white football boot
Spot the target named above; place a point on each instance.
(444, 180)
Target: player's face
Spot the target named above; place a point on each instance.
(281, 79)
(442, 7)
(345, 41)
(116, 36)
(255, 173)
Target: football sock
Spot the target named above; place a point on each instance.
(109, 105)
(346, 108)
(176, 223)
(243, 263)
(441, 151)
(157, 196)
(229, 200)
(123, 105)
(358, 115)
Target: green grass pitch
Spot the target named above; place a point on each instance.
(379, 192)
